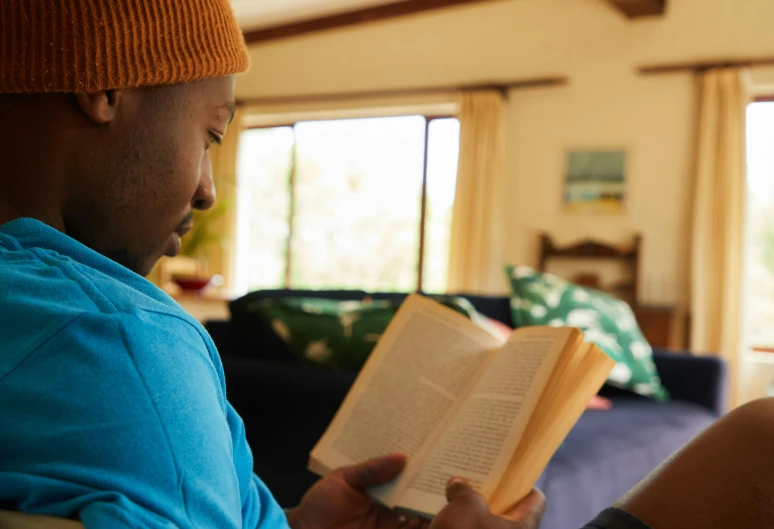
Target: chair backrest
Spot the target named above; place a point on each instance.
(18, 520)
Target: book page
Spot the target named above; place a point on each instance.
(425, 362)
(556, 413)
(480, 440)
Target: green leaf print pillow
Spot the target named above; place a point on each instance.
(337, 334)
(544, 299)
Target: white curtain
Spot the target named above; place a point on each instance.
(718, 219)
(476, 255)
(221, 257)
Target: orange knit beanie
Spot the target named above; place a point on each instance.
(93, 45)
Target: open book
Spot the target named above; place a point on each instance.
(461, 402)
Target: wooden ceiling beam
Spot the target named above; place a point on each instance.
(371, 14)
(503, 86)
(640, 8)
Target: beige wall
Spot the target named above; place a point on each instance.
(652, 119)
(606, 104)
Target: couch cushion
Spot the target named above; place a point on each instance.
(495, 307)
(254, 337)
(608, 452)
(337, 334)
(544, 299)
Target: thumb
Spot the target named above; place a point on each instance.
(457, 487)
(529, 510)
(373, 472)
(459, 491)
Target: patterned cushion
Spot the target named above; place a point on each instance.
(338, 334)
(544, 299)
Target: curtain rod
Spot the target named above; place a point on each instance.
(704, 65)
(504, 87)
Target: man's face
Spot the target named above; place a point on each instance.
(147, 169)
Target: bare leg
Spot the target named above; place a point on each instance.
(724, 479)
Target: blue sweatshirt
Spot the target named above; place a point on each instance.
(112, 399)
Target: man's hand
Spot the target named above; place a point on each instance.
(468, 510)
(339, 501)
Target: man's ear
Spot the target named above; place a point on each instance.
(100, 107)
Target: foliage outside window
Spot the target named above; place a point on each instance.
(760, 226)
(339, 204)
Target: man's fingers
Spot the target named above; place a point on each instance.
(530, 508)
(374, 472)
(459, 491)
(457, 487)
(416, 523)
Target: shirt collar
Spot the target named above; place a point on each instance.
(31, 233)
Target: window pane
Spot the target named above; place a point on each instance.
(443, 154)
(760, 226)
(358, 193)
(263, 171)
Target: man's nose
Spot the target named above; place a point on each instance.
(204, 197)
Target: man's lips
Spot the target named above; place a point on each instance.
(185, 228)
(175, 243)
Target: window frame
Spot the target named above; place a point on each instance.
(757, 348)
(428, 117)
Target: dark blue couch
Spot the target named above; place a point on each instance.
(287, 407)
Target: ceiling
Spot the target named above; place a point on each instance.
(258, 14)
(271, 19)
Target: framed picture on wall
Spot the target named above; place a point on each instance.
(595, 181)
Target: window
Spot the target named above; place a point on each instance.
(759, 324)
(347, 204)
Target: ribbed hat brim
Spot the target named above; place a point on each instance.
(93, 45)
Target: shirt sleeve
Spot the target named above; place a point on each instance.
(122, 420)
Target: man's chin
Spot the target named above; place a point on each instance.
(137, 265)
(175, 246)
(144, 268)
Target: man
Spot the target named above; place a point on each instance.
(112, 399)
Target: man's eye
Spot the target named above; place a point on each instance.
(214, 138)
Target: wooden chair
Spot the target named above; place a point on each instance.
(17, 520)
(590, 249)
(656, 322)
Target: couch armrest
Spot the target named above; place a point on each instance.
(285, 409)
(698, 379)
(222, 334)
